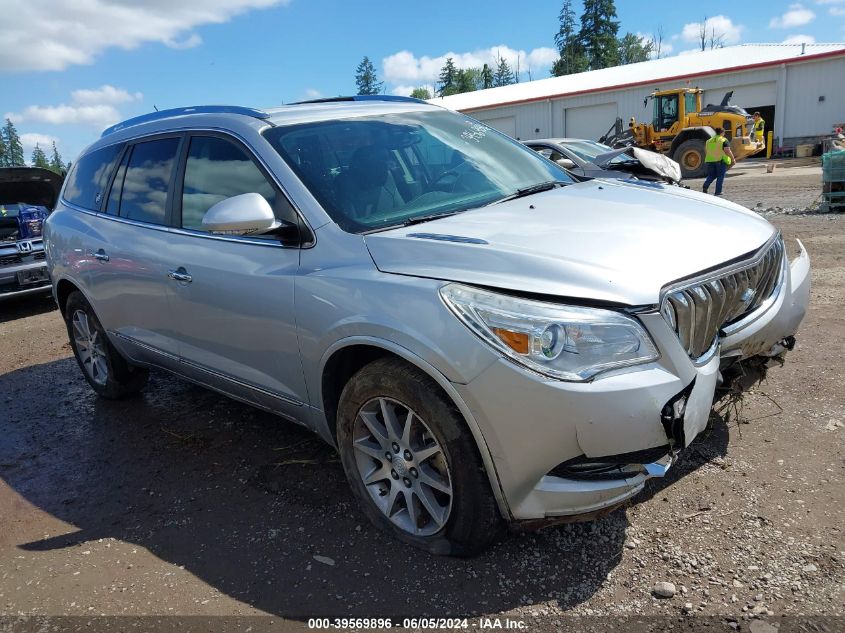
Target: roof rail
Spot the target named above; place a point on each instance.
(164, 114)
(360, 98)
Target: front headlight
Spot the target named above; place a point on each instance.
(565, 342)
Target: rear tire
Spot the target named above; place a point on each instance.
(690, 156)
(108, 373)
(398, 431)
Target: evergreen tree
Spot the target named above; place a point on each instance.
(486, 77)
(448, 78)
(39, 158)
(3, 153)
(421, 93)
(598, 33)
(572, 57)
(503, 75)
(366, 79)
(56, 163)
(633, 49)
(14, 148)
(468, 80)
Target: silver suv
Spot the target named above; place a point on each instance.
(481, 337)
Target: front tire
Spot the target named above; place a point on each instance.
(690, 156)
(411, 461)
(108, 373)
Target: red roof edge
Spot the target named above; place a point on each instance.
(634, 84)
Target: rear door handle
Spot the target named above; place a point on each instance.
(180, 274)
(100, 255)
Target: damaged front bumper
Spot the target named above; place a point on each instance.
(564, 449)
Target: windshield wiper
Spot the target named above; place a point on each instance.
(411, 221)
(428, 218)
(531, 190)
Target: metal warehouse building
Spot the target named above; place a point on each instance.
(798, 88)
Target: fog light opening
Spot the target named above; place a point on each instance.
(672, 417)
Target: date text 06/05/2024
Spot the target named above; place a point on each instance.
(416, 623)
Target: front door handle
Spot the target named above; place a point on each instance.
(100, 255)
(180, 274)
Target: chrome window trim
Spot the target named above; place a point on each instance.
(228, 238)
(266, 242)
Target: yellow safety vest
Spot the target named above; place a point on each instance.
(759, 126)
(714, 149)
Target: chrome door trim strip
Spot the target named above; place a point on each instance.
(145, 346)
(240, 383)
(206, 370)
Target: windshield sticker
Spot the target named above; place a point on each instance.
(476, 132)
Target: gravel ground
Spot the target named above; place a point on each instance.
(184, 502)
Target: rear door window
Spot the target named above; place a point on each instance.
(147, 180)
(89, 177)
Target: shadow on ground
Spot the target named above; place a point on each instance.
(245, 500)
(14, 308)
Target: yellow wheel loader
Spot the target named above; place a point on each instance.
(680, 127)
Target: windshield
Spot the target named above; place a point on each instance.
(588, 150)
(374, 172)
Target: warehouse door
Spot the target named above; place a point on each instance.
(505, 124)
(754, 98)
(589, 121)
(752, 95)
(768, 114)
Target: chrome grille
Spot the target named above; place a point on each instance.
(699, 309)
(10, 260)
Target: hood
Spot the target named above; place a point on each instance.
(650, 163)
(600, 240)
(30, 185)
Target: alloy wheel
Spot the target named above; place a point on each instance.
(402, 466)
(90, 347)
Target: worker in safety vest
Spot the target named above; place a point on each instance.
(717, 157)
(759, 127)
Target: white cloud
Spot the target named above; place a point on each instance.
(800, 39)
(192, 41)
(105, 94)
(312, 93)
(830, 1)
(44, 141)
(718, 25)
(665, 47)
(798, 15)
(95, 108)
(837, 11)
(50, 35)
(406, 68)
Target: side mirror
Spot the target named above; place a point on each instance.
(246, 214)
(566, 163)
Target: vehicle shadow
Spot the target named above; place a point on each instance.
(12, 309)
(245, 501)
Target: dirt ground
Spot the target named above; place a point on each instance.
(183, 502)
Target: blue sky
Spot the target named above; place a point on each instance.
(69, 68)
